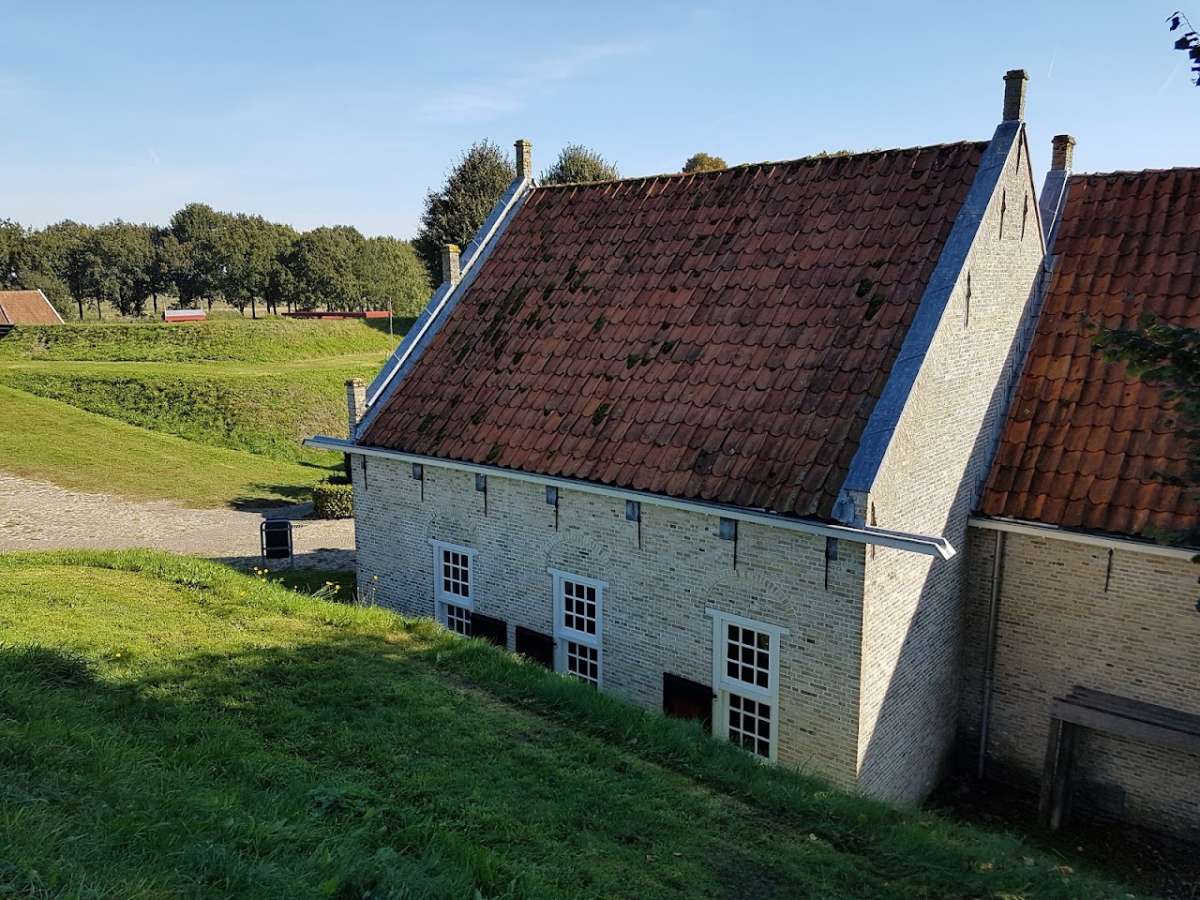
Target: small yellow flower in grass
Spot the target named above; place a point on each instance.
(374, 577)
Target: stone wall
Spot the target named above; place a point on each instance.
(1060, 626)
(927, 482)
(657, 593)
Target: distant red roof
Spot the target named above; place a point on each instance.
(721, 336)
(1086, 446)
(27, 308)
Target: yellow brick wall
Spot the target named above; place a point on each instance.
(1060, 627)
(926, 484)
(655, 602)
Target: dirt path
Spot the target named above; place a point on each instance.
(37, 515)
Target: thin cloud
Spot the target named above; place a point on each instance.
(516, 90)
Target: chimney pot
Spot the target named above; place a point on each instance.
(524, 156)
(450, 265)
(1014, 95)
(1062, 152)
(356, 403)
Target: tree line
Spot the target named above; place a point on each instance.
(205, 255)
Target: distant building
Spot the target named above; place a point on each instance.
(27, 308)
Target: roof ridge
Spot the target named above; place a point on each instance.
(1115, 172)
(822, 156)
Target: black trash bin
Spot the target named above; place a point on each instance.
(276, 539)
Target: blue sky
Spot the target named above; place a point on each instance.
(345, 113)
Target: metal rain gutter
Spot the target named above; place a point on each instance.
(1033, 529)
(900, 540)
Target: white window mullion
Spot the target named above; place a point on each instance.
(578, 626)
(746, 682)
(453, 592)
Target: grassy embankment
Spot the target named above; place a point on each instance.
(171, 728)
(253, 386)
(51, 441)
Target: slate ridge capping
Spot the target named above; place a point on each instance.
(428, 323)
(885, 417)
(811, 159)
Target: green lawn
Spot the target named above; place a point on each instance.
(169, 727)
(261, 340)
(51, 441)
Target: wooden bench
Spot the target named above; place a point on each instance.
(1111, 714)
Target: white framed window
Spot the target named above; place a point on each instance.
(746, 682)
(578, 626)
(453, 577)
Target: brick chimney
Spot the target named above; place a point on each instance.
(356, 403)
(1014, 95)
(524, 157)
(450, 267)
(1062, 152)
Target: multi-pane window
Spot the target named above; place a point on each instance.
(746, 677)
(458, 619)
(748, 655)
(578, 626)
(750, 724)
(579, 606)
(583, 662)
(452, 573)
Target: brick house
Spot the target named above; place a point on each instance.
(711, 442)
(1072, 580)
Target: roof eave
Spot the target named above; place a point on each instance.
(925, 545)
(1095, 539)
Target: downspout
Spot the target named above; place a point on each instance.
(989, 659)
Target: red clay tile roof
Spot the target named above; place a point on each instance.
(26, 308)
(720, 336)
(1086, 446)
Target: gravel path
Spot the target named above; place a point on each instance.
(36, 515)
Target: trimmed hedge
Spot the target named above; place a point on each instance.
(333, 499)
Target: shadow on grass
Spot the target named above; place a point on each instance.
(298, 496)
(399, 325)
(354, 764)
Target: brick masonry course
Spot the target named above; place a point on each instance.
(1060, 626)
(655, 602)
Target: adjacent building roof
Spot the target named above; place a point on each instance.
(1086, 445)
(27, 308)
(720, 336)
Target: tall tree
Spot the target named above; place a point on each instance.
(453, 214)
(322, 265)
(280, 285)
(117, 258)
(197, 277)
(703, 162)
(51, 256)
(391, 277)
(165, 259)
(245, 247)
(12, 243)
(576, 164)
